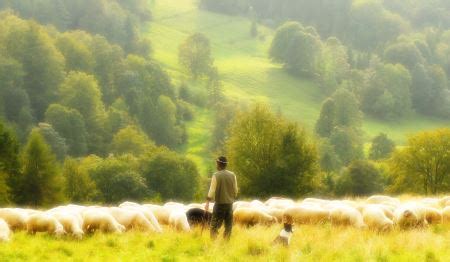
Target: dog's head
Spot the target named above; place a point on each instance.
(288, 227)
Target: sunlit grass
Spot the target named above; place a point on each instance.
(309, 243)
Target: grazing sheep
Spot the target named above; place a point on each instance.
(148, 213)
(316, 202)
(131, 219)
(4, 231)
(445, 201)
(409, 216)
(174, 205)
(432, 215)
(198, 216)
(257, 204)
(128, 204)
(375, 218)
(178, 220)
(345, 215)
(44, 222)
(16, 218)
(96, 219)
(446, 214)
(250, 216)
(307, 214)
(161, 214)
(239, 204)
(380, 199)
(71, 222)
(431, 202)
(387, 210)
(277, 213)
(279, 202)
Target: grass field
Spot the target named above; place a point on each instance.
(309, 243)
(248, 75)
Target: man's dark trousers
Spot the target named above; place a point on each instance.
(222, 213)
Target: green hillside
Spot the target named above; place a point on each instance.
(247, 74)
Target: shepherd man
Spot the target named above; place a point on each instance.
(223, 191)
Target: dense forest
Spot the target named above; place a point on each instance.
(88, 115)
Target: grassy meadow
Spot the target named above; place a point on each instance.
(248, 75)
(309, 243)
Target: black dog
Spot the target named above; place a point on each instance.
(285, 235)
(198, 216)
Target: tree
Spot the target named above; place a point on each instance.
(405, 53)
(326, 122)
(117, 179)
(69, 123)
(333, 65)
(40, 181)
(194, 55)
(215, 88)
(423, 166)
(387, 94)
(328, 159)
(270, 155)
(14, 100)
(42, 63)
(131, 140)
(371, 25)
(347, 144)
(79, 187)
(164, 130)
(382, 147)
(9, 164)
(224, 114)
(77, 54)
(347, 109)
(297, 48)
(54, 140)
(80, 91)
(361, 178)
(170, 176)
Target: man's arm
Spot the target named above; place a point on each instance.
(211, 192)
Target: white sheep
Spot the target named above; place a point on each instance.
(387, 210)
(409, 215)
(346, 215)
(44, 222)
(178, 220)
(240, 204)
(277, 213)
(174, 205)
(446, 214)
(380, 199)
(131, 218)
(250, 216)
(161, 213)
(97, 219)
(71, 221)
(5, 232)
(306, 214)
(16, 218)
(432, 215)
(375, 218)
(128, 204)
(148, 213)
(445, 201)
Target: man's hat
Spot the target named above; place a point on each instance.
(222, 159)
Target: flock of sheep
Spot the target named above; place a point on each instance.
(381, 213)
